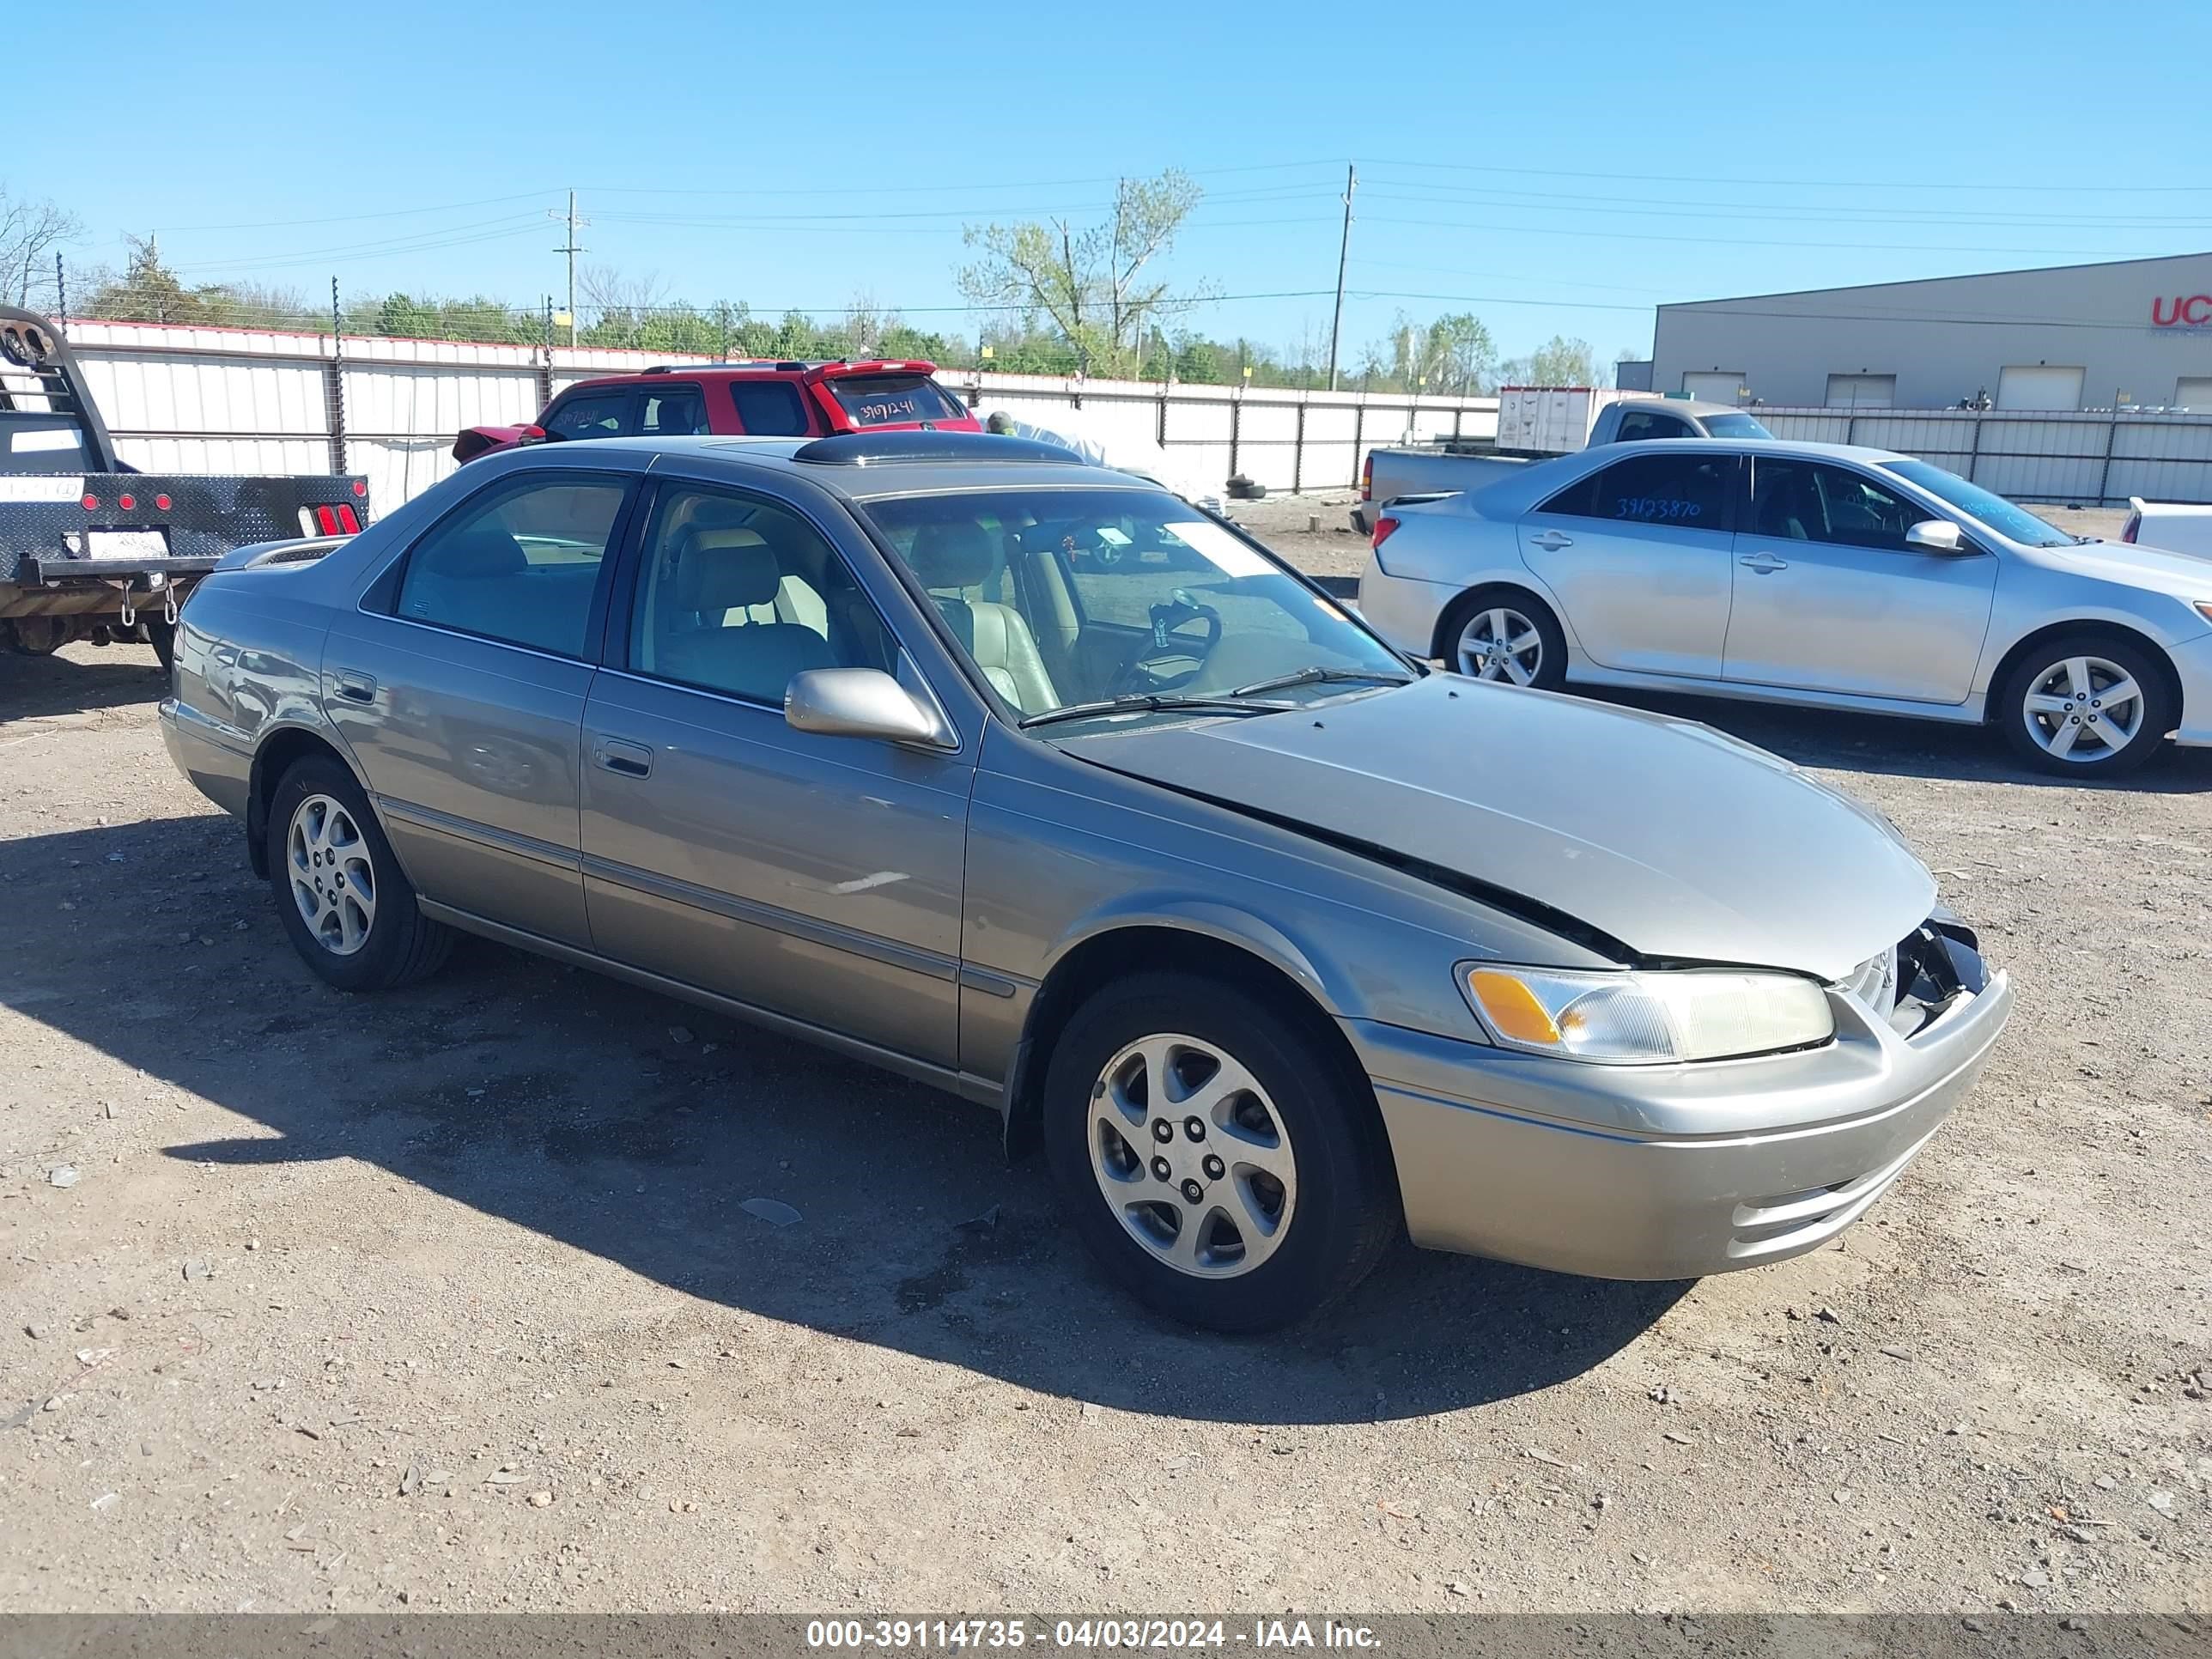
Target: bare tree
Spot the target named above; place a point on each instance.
(622, 303)
(30, 232)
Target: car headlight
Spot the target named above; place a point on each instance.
(1647, 1019)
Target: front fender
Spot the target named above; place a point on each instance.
(1198, 913)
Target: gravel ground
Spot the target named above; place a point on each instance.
(453, 1300)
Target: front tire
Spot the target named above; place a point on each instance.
(2088, 706)
(1225, 1166)
(344, 901)
(1505, 636)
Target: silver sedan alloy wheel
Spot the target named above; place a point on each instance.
(1192, 1157)
(333, 877)
(2083, 709)
(1499, 643)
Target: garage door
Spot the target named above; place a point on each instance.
(1861, 391)
(2039, 386)
(2193, 392)
(1715, 387)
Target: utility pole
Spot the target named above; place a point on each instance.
(1343, 251)
(572, 249)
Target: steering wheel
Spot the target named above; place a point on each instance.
(1178, 612)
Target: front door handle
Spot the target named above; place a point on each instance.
(354, 687)
(1552, 541)
(1765, 563)
(631, 760)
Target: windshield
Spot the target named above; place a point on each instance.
(1067, 597)
(1735, 426)
(2001, 515)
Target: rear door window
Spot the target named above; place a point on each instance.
(1641, 423)
(521, 564)
(675, 411)
(769, 409)
(1687, 491)
(593, 415)
(891, 399)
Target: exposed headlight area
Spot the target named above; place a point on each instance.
(1642, 1017)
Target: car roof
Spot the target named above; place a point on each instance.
(878, 479)
(758, 369)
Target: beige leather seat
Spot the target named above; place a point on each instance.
(949, 559)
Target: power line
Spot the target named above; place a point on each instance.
(351, 218)
(1893, 183)
(1533, 202)
(1737, 241)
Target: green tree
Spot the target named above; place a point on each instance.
(1562, 362)
(1091, 285)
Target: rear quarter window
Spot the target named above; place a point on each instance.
(891, 399)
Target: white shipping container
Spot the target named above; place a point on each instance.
(1552, 420)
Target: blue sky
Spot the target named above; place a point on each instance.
(1555, 169)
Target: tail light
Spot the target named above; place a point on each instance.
(327, 520)
(2134, 523)
(348, 520)
(1384, 528)
(1367, 478)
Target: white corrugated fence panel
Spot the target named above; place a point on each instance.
(226, 455)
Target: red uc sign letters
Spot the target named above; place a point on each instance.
(2195, 312)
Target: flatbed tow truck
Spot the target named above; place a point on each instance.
(92, 548)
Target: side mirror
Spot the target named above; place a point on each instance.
(529, 434)
(859, 703)
(1937, 536)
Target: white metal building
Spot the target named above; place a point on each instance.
(2135, 333)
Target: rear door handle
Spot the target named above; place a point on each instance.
(354, 687)
(1765, 563)
(1552, 541)
(631, 760)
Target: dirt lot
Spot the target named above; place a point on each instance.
(450, 1299)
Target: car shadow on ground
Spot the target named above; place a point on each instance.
(87, 678)
(637, 1127)
(1901, 748)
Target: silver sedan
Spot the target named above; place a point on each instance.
(1809, 574)
(1030, 780)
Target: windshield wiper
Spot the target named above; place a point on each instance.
(1147, 702)
(1318, 675)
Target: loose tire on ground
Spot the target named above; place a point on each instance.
(385, 944)
(1341, 1217)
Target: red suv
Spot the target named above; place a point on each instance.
(763, 399)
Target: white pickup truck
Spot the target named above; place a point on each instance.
(2175, 527)
(1536, 423)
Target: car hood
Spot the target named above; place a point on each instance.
(1676, 840)
(2157, 570)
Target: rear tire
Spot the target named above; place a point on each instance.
(2061, 715)
(1506, 634)
(1278, 1195)
(344, 901)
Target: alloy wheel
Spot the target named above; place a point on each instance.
(1499, 643)
(2083, 709)
(1192, 1156)
(333, 878)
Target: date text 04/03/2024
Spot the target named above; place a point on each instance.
(1109, 1633)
